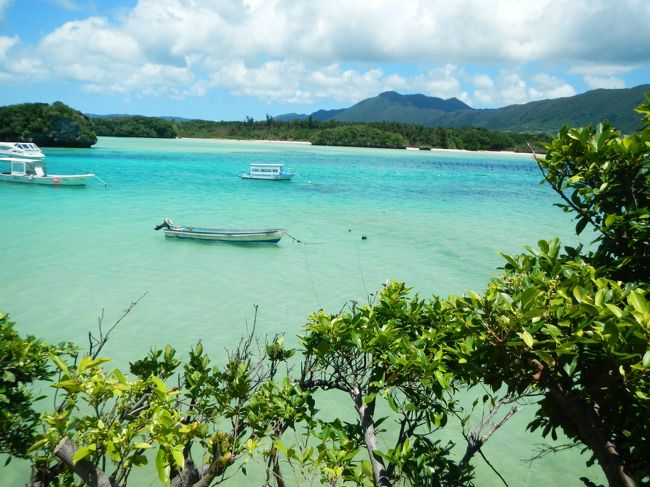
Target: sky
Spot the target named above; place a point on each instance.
(233, 59)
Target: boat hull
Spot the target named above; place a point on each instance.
(280, 177)
(239, 235)
(50, 180)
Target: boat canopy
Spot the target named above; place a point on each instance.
(19, 166)
(266, 168)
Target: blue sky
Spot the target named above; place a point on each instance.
(232, 59)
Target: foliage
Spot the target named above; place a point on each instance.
(135, 126)
(55, 125)
(406, 353)
(108, 421)
(359, 136)
(552, 324)
(607, 178)
(383, 134)
(23, 362)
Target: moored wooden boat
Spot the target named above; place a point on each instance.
(235, 235)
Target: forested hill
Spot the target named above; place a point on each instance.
(55, 125)
(546, 116)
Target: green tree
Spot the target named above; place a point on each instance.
(55, 125)
(575, 326)
(23, 362)
(604, 179)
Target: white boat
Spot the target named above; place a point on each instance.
(235, 235)
(32, 171)
(20, 150)
(269, 172)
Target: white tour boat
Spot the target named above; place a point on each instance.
(20, 162)
(269, 172)
(21, 150)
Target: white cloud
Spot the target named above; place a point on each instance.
(547, 86)
(300, 52)
(6, 43)
(510, 87)
(601, 69)
(604, 82)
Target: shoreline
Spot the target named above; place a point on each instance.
(414, 149)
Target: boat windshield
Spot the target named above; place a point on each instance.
(27, 146)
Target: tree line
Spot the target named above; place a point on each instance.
(564, 330)
(58, 125)
(382, 135)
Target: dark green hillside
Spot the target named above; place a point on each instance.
(393, 107)
(323, 115)
(547, 116)
(616, 106)
(55, 125)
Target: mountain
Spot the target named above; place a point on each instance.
(615, 105)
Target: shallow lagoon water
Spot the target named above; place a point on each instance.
(436, 220)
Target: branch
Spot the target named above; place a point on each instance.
(101, 341)
(85, 470)
(566, 199)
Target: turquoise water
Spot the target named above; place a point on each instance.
(436, 220)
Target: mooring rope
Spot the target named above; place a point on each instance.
(105, 183)
(293, 238)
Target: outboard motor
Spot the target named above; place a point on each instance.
(165, 224)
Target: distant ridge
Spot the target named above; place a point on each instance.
(615, 105)
(125, 115)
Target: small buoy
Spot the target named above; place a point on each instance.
(56, 180)
(349, 229)
(363, 237)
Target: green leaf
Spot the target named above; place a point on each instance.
(366, 468)
(83, 452)
(280, 446)
(639, 302)
(112, 451)
(616, 311)
(119, 376)
(177, 453)
(646, 359)
(610, 220)
(69, 385)
(162, 467)
(581, 225)
(60, 364)
(8, 377)
(160, 385)
(527, 338)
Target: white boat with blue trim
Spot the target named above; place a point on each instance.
(33, 172)
(23, 162)
(269, 172)
(235, 235)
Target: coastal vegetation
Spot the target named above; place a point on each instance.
(562, 330)
(134, 126)
(391, 135)
(55, 125)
